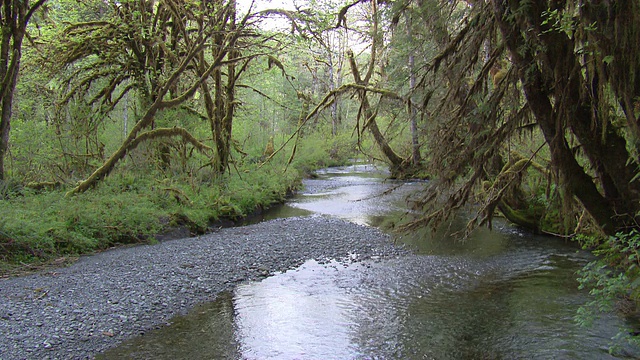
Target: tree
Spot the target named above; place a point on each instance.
(568, 70)
(399, 166)
(14, 19)
(328, 47)
(564, 100)
(406, 55)
(415, 142)
(158, 50)
(221, 105)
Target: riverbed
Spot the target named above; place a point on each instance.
(501, 294)
(103, 300)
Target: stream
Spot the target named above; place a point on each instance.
(502, 294)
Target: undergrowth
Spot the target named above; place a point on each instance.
(129, 208)
(613, 280)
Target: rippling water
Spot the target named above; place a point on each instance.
(499, 295)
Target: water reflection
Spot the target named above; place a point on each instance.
(207, 332)
(416, 307)
(419, 307)
(307, 318)
(360, 194)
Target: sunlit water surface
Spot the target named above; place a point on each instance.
(500, 295)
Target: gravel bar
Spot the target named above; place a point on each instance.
(101, 300)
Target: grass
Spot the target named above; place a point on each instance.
(138, 201)
(38, 228)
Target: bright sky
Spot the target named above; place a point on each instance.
(267, 4)
(281, 23)
(259, 5)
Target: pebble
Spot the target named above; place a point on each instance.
(157, 282)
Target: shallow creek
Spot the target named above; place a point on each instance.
(502, 294)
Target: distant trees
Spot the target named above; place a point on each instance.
(378, 94)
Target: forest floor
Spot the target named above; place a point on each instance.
(79, 311)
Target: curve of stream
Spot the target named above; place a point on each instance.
(499, 295)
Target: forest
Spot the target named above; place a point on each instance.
(122, 119)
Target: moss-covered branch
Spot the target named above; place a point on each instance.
(131, 145)
(170, 132)
(362, 85)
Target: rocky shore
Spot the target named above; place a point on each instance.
(81, 310)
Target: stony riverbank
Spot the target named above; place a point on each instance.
(79, 311)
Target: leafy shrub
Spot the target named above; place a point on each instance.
(10, 189)
(613, 279)
(317, 151)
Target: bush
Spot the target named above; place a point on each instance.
(10, 189)
(316, 151)
(613, 279)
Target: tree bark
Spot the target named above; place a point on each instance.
(415, 143)
(553, 116)
(370, 123)
(14, 18)
(221, 116)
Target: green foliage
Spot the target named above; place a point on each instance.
(10, 188)
(559, 21)
(613, 280)
(315, 152)
(32, 151)
(128, 208)
(48, 225)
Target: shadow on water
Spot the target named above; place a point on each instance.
(499, 295)
(207, 332)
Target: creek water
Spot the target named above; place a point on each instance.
(503, 294)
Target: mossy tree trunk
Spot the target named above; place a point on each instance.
(370, 123)
(553, 84)
(14, 18)
(396, 162)
(413, 115)
(219, 99)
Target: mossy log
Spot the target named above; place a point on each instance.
(43, 185)
(518, 217)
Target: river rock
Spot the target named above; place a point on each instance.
(79, 311)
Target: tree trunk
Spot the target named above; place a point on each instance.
(334, 105)
(396, 162)
(14, 17)
(224, 97)
(415, 143)
(557, 76)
